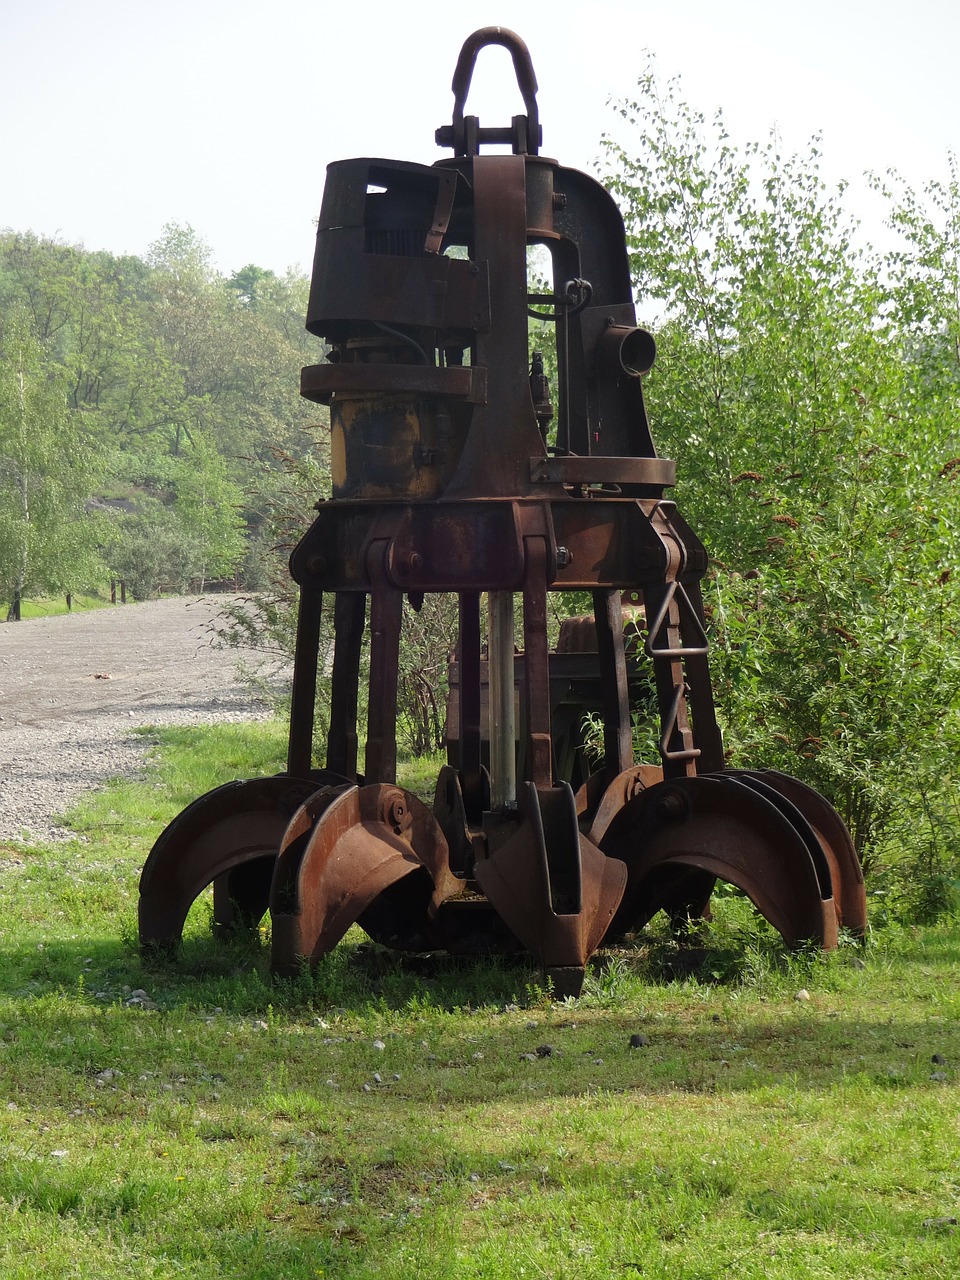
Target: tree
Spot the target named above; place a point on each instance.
(235, 365)
(151, 551)
(811, 462)
(208, 504)
(165, 363)
(48, 541)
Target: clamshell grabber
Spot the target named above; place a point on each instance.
(444, 479)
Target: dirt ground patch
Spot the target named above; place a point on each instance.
(141, 658)
(72, 688)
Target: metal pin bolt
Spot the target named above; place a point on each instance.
(672, 806)
(398, 817)
(410, 562)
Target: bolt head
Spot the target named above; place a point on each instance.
(672, 806)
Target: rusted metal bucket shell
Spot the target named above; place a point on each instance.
(364, 841)
(719, 826)
(236, 826)
(797, 820)
(849, 890)
(620, 791)
(517, 881)
(683, 892)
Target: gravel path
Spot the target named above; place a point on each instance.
(73, 687)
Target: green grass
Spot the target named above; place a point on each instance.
(56, 605)
(235, 1126)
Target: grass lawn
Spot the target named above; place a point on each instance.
(56, 605)
(440, 1119)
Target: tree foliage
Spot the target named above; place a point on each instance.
(47, 543)
(809, 392)
(157, 391)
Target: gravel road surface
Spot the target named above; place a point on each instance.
(73, 687)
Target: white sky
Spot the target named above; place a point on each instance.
(117, 116)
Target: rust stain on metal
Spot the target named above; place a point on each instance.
(457, 468)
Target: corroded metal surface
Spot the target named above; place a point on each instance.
(234, 827)
(721, 826)
(846, 874)
(458, 466)
(340, 857)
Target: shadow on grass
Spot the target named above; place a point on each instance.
(316, 1166)
(360, 977)
(368, 1036)
(281, 1079)
(235, 975)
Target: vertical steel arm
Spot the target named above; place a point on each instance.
(536, 664)
(503, 750)
(700, 694)
(349, 617)
(304, 693)
(617, 736)
(386, 614)
(470, 731)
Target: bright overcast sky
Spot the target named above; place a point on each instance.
(117, 116)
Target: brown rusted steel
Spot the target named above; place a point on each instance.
(597, 811)
(217, 839)
(457, 468)
(846, 874)
(339, 858)
(720, 826)
(554, 888)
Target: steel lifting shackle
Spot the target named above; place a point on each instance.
(464, 135)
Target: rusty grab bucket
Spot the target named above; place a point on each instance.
(453, 472)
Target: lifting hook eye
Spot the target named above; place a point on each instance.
(465, 135)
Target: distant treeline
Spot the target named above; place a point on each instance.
(143, 402)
